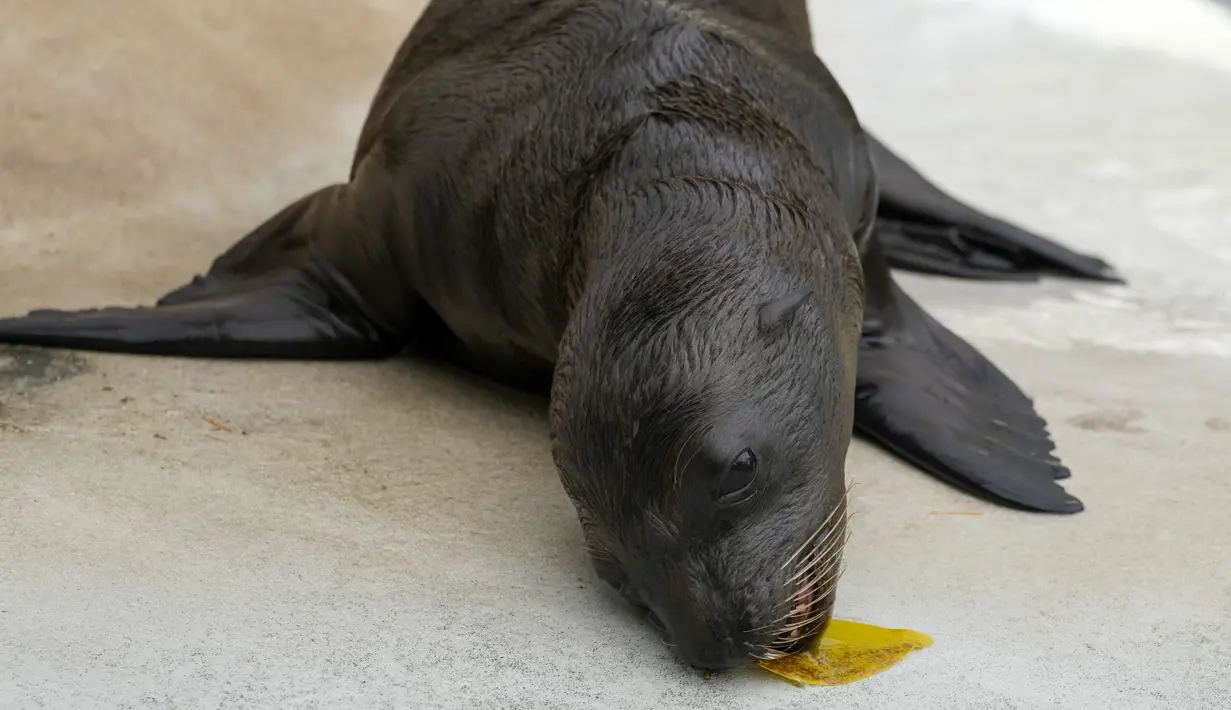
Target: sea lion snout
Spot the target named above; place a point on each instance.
(713, 654)
(758, 593)
(711, 626)
(730, 609)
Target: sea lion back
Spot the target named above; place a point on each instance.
(497, 146)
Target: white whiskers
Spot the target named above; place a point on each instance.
(815, 569)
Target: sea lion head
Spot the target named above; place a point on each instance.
(701, 415)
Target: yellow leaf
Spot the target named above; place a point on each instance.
(847, 651)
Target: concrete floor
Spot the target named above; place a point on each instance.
(393, 535)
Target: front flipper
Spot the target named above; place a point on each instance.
(931, 398)
(272, 295)
(291, 315)
(924, 229)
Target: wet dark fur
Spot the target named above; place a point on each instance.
(667, 212)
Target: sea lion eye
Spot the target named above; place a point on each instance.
(740, 474)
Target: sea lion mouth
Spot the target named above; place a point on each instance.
(813, 574)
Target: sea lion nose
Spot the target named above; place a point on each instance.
(712, 654)
(703, 642)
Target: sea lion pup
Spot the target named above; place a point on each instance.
(665, 214)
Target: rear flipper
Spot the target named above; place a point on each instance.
(272, 295)
(930, 397)
(921, 228)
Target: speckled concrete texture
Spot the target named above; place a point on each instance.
(198, 534)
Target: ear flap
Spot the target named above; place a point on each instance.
(779, 311)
